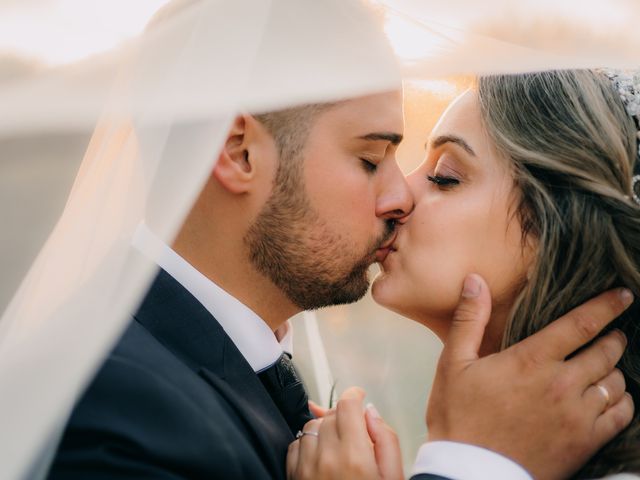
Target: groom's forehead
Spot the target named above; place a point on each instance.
(372, 118)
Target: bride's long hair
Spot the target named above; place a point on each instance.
(573, 148)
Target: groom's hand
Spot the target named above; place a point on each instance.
(527, 402)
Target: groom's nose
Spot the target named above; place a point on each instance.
(395, 200)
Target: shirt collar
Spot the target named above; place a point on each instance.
(250, 334)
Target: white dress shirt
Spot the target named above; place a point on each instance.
(466, 462)
(251, 335)
(260, 347)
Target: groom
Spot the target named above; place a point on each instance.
(299, 204)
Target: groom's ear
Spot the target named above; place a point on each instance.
(235, 170)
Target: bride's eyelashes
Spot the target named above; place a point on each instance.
(446, 171)
(443, 181)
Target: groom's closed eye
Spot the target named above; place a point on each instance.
(375, 148)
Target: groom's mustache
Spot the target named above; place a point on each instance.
(387, 235)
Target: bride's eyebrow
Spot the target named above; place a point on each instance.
(442, 139)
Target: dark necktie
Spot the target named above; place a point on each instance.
(287, 391)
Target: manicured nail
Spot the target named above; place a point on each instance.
(626, 296)
(622, 335)
(471, 288)
(373, 411)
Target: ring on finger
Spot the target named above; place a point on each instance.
(605, 393)
(301, 434)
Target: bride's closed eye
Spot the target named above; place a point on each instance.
(443, 181)
(446, 173)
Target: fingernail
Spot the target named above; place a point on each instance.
(622, 336)
(630, 398)
(626, 296)
(373, 411)
(471, 288)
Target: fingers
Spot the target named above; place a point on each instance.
(350, 416)
(605, 393)
(342, 447)
(328, 436)
(469, 321)
(316, 410)
(293, 454)
(385, 445)
(570, 332)
(615, 419)
(307, 449)
(352, 442)
(599, 359)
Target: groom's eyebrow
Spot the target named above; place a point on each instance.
(393, 138)
(442, 139)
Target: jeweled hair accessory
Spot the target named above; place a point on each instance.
(627, 84)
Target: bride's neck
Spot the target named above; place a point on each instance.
(492, 340)
(494, 331)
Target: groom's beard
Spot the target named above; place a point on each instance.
(312, 265)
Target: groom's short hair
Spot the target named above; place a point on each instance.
(290, 127)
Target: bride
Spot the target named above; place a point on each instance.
(528, 182)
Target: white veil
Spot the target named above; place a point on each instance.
(162, 104)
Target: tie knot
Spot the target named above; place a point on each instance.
(286, 389)
(285, 372)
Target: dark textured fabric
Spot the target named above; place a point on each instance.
(174, 400)
(287, 391)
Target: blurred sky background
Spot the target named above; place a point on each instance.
(63, 31)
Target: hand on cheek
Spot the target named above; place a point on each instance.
(527, 402)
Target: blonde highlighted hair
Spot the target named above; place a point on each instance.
(572, 149)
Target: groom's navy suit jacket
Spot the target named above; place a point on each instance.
(174, 400)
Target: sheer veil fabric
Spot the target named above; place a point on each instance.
(164, 102)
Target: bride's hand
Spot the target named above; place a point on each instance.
(318, 411)
(351, 442)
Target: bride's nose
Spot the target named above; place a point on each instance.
(417, 183)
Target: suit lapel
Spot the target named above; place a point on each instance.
(260, 416)
(172, 315)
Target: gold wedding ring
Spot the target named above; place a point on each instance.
(605, 393)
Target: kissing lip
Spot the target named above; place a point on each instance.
(382, 253)
(388, 245)
(386, 248)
